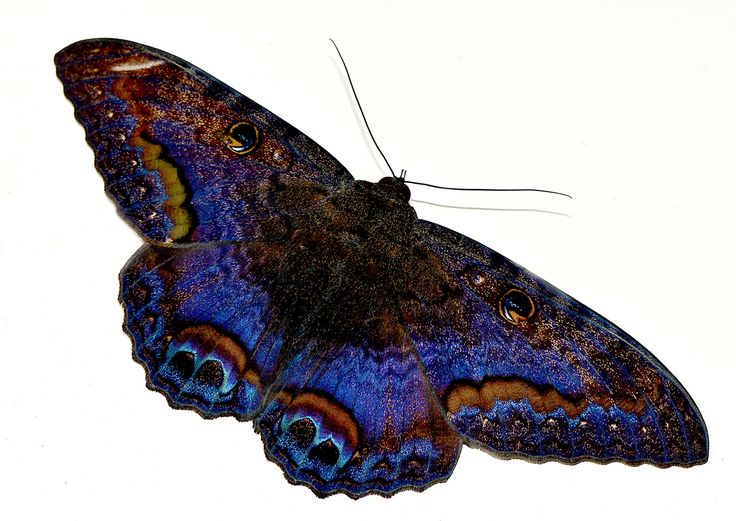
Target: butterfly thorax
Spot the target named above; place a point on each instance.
(340, 263)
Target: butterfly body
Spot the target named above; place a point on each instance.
(366, 345)
(349, 252)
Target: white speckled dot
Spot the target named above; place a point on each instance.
(478, 279)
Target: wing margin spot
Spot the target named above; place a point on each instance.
(136, 66)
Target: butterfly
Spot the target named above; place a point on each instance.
(366, 345)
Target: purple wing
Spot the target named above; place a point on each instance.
(356, 417)
(524, 370)
(185, 157)
(201, 326)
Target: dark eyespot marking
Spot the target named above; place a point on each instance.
(182, 363)
(383, 465)
(516, 306)
(242, 137)
(414, 467)
(325, 453)
(302, 432)
(210, 374)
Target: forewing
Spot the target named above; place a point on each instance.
(185, 157)
(522, 369)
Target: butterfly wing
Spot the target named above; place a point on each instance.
(359, 419)
(201, 326)
(524, 370)
(185, 157)
(353, 417)
(222, 321)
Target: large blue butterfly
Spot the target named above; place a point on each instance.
(366, 345)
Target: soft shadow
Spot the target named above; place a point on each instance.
(531, 210)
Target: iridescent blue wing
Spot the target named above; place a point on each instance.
(358, 418)
(201, 326)
(185, 157)
(523, 370)
(353, 417)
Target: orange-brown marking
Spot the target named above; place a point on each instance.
(207, 336)
(485, 397)
(334, 416)
(543, 399)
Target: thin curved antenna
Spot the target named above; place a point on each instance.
(403, 171)
(355, 95)
(487, 189)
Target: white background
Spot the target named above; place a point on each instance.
(628, 105)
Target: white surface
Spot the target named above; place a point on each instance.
(629, 106)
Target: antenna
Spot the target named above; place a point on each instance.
(402, 176)
(355, 95)
(487, 189)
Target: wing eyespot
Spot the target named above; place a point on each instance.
(182, 364)
(325, 453)
(516, 306)
(302, 432)
(242, 137)
(210, 374)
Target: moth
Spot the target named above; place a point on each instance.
(366, 345)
